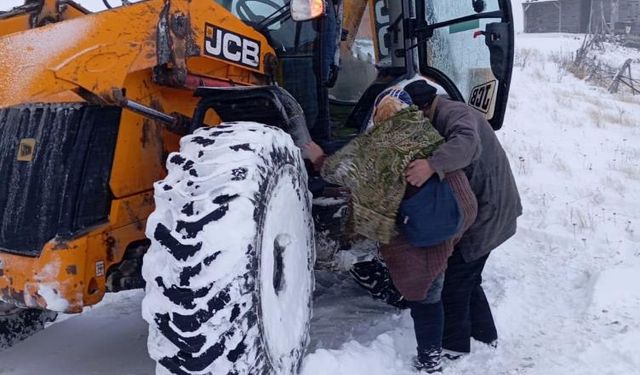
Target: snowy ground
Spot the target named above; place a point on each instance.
(565, 289)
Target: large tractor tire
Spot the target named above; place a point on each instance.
(229, 273)
(17, 324)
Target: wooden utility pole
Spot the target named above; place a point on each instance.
(559, 5)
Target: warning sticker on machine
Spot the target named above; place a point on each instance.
(235, 48)
(99, 268)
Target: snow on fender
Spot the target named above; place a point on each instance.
(230, 269)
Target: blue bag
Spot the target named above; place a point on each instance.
(432, 215)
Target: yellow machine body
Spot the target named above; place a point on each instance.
(155, 52)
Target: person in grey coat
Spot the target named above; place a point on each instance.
(471, 145)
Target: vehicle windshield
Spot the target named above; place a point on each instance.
(285, 35)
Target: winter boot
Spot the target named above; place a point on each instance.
(428, 361)
(452, 355)
(393, 297)
(373, 276)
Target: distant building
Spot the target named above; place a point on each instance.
(582, 16)
(549, 16)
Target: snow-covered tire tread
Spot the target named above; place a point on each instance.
(202, 271)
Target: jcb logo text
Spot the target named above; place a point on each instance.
(227, 45)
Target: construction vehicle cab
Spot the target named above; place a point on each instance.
(154, 145)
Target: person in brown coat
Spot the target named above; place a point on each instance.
(471, 145)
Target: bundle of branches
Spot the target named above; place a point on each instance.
(586, 64)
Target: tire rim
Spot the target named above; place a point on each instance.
(285, 279)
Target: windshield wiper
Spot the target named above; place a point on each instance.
(281, 14)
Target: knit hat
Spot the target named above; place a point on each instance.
(390, 102)
(421, 92)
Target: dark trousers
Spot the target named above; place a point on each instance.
(466, 309)
(428, 317)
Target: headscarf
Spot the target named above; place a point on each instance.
(388, 103)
